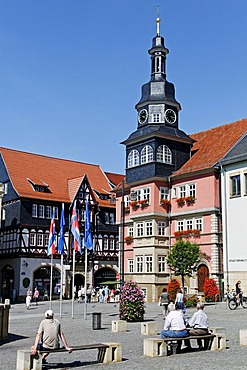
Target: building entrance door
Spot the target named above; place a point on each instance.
(202, 275)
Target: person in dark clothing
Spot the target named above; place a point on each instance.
(239, 292)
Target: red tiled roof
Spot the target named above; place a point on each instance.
(114, 178)
(63, 177)
(211, 145)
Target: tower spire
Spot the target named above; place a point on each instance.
(158, 21)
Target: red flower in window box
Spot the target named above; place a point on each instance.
(190, 199)
(165, 202)
(134, 204)
(180, 201)
(143, 202)
(187, 233)
(129, 239)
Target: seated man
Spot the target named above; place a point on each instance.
(174, 325)
(50, 334)
(198, 324)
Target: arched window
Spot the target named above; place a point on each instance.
(147, 154)
(164, 154)
(133, 158)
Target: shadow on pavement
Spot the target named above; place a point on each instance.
(12, 338)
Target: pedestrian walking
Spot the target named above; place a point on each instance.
(28, 298)
(36, 296)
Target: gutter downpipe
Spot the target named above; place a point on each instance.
(226, 228)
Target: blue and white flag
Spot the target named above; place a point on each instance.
(88, 240)
(61, 236)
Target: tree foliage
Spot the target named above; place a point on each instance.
(183, 258)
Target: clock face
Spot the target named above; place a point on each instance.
(143, 115)
(170, 116)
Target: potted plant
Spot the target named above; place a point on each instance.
(131, 304)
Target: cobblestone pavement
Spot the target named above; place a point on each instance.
(24, 323)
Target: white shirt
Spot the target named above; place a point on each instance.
(174, 321)
(199, 320)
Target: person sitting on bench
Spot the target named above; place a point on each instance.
(198, 324)
(50, 334)
(174, 325)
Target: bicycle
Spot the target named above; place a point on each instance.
(234, 301)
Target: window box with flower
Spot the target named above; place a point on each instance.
(190, 200)
(143, 202)
(180, 201)
(187, 233)
(165, 202)
(128, 239)
(134, 204)
(127, 209)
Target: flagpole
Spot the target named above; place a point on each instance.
(61, 286)
(50, 303)
(85, 286)
(73, 284)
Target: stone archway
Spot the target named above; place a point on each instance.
(7, 288)
(42, 278)
(104, 275)
(202, 275)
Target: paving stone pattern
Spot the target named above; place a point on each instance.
(24, 324)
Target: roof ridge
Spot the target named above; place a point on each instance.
(48, 156)
(218, 127)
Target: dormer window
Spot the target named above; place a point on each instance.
(39, 186)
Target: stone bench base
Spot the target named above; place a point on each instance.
(149, 328)
(107, 353)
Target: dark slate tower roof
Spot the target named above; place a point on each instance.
(158, 121)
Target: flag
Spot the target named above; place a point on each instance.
(75, 230)
(88, 242)
(61, 236)
(52, 238)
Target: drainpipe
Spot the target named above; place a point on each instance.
(226, 228)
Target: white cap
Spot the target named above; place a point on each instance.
(49, 314)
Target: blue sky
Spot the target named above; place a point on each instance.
(71, 71)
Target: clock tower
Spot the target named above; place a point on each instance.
(157, 148)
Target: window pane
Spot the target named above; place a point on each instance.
(164, 154)
(235, 186)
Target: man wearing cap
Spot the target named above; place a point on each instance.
(50, 334)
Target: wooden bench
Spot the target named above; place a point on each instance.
(153, 347)
(207, 338)
(107, 352)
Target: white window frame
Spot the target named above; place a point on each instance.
(48, 212)
(147, 154)
(192, 190)
(130, 231)
(105, 244)
(46, 239)
(130, 265)
(111, 244)
(182, 191)
(34, 210)
(41, 211)
(235, 185)
(180, 225)
(161, 263)
(164, 193)
(156, 118)
(149, 263)
(32, 239)
(133, 159)
(161, 228)
(149, 228)
(164, 154)
(139, 229)
(198, 224)
(40, 240)
(5, 188)
(189, 224)
(55, 209)
(139, 264)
